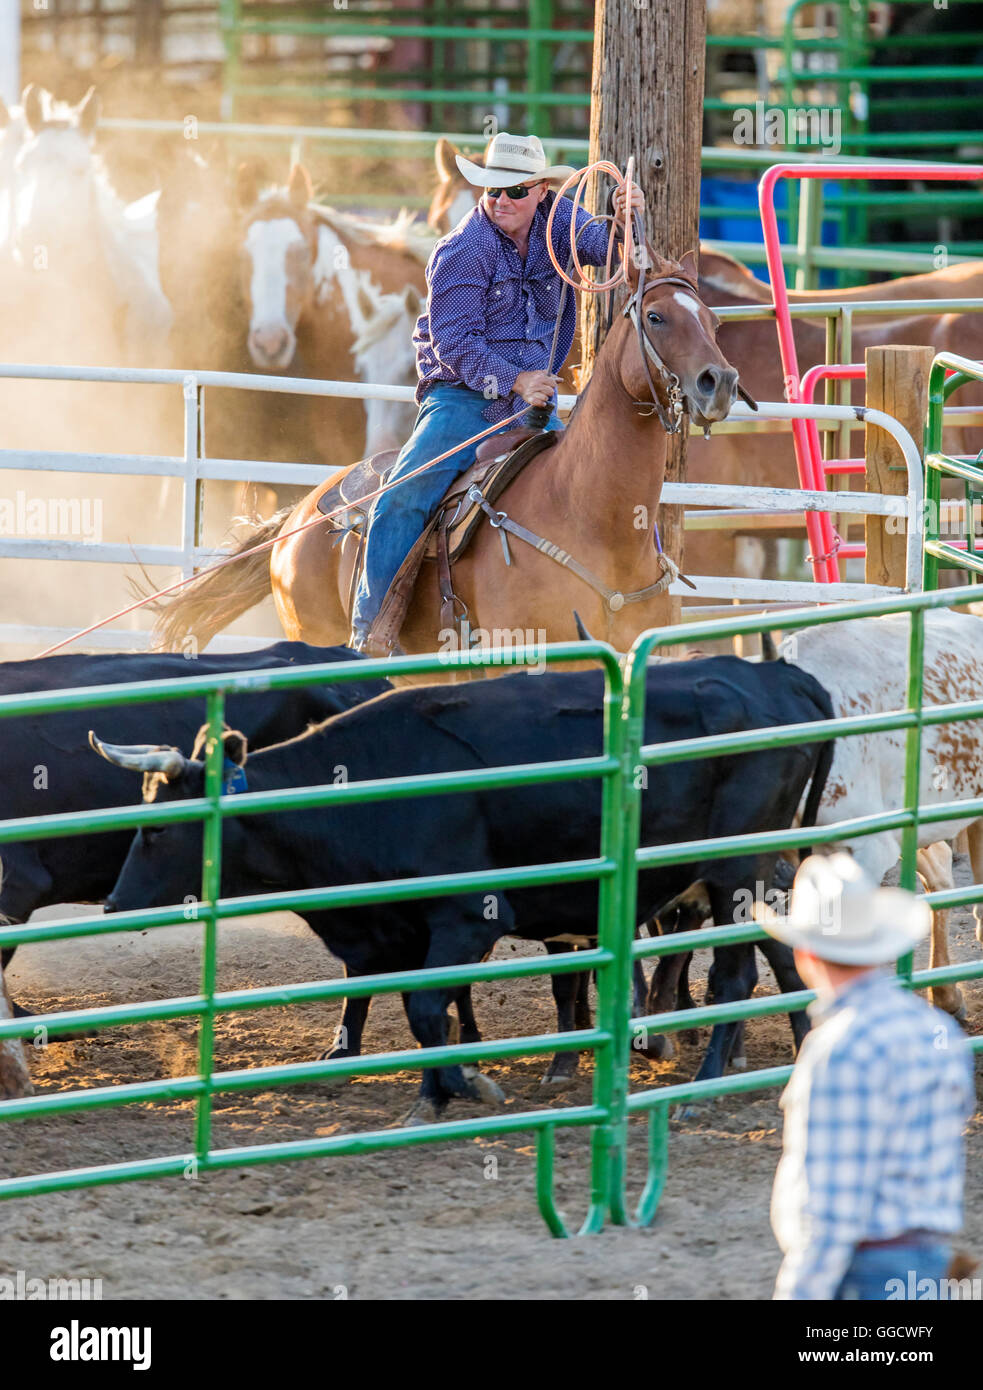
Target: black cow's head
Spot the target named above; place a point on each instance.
(163, 865)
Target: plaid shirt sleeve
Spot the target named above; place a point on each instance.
(837, 1113)
(459, 282)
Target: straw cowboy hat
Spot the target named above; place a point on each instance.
(837, 913)
(512, 159)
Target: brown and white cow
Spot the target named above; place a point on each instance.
(863, 665)
(14, 1077)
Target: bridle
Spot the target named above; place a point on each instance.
(669, 405)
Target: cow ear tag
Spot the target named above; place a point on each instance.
(233, 778)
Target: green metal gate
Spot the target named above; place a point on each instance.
(619, 766)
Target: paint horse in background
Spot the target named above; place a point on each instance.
(383, 350)
(87, 287)
(299, 266)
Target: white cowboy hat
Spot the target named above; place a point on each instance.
(837, 913)
(513, 159)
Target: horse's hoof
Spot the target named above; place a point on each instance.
(694, 1112)
(423, 1112)
(486, 1090)
(951, 1003)
(739, 1063)
(557, 1080)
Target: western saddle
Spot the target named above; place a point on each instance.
(448, 533)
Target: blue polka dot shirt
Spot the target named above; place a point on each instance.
(490, 315)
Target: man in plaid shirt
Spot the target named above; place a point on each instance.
(869, 1189)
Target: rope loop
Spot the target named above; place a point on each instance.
(624, 181)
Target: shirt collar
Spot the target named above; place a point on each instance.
(827, 1006)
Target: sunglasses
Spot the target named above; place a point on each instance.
(515, 194)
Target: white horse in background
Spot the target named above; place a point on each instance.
(11, 134)
(88, 262)
(383, 325)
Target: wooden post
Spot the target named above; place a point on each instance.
(897, 383)
(647, 100)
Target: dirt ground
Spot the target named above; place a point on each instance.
(443, 1221)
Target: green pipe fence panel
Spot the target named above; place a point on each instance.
(610, 959)
(658, 1100)
(949, 373)
(615, 869)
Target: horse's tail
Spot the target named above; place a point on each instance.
(220, 596)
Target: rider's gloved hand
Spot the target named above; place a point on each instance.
(535, 388)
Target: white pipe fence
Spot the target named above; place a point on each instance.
(195, 470)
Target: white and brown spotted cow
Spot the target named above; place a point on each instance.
(863, 665)
(14, 1077)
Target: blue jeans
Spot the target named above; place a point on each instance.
(448, 414)
(894, 1271)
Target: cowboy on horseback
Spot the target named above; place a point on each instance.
(484, 341)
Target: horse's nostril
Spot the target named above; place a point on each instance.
(707, 381)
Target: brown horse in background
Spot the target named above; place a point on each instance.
(964, 280)
(768, 460)
(595, 494)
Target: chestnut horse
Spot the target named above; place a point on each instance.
(595, 494)
(964, 280)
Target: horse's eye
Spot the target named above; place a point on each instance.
(653, 317)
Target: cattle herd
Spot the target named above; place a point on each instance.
(364, 730)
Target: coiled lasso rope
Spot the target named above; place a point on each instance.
(624, 181)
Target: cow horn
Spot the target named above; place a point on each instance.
(140, 757)
(582, 634)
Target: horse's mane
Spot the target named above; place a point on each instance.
(387, 309)
(404, 233)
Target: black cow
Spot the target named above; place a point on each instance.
(515, 719)
(46, 766)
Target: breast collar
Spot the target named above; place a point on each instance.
(669, 410)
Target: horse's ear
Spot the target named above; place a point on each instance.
(300, 187)
(412, 301)
(642, 258)
(87, 112)
(690, 266)
(33, 105)
(247, 186)
(443, 158)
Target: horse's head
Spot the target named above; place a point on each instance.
(55, 172)
(278, 251)
(671, 343)
(383, 328)
(454, 196)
